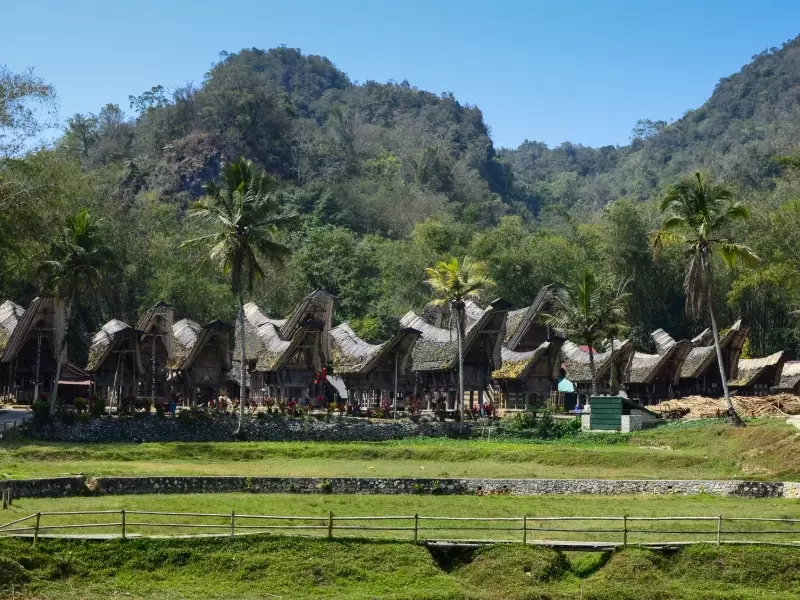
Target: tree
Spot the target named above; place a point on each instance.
(244, 216)
(588, 309)
(79, 259)
(697, 212)
(18, 120)
(454, 283)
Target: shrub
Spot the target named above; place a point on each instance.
(11, 572)
(41, 410)
(325, 486)
(514, 566)
(80, 405)
(96, 406)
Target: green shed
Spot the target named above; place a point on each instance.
(613, 413)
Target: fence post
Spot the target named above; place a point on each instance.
(5, 499)
(122, 522)
(233, 523)
(36, 530)
(719, 530)
(524, 530)
(624, 531)
(416, 527)
(330, 524)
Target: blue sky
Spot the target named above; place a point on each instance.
(577, 70)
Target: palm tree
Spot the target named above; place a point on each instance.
(243, 215)
(615, 322)
(454, 283)
(696, 212)
(588, 309)
(79, 259)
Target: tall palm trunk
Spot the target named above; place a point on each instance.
(61, 356)
(732, 414)
(613, 377)
(592, 368)
(242, 373)
(460, 335)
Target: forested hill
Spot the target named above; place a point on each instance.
(388, 179)
(751, 116)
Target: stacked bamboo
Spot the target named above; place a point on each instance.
(700, 407)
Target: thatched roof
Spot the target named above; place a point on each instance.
(702, 357)
(790, 376)
(518, 365)
(47, 313)
(190, 338)
(437, 347)
(10, 314)
(106, 340)
(520, 321)
(270, 342)
(644, 368)
(352, 355)
(662, 340)
(576, 360)
(161, 316)
(750, 369)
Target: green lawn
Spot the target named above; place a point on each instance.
(764, 450)
(316, 508)
(292, 568)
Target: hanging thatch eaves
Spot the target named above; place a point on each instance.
(645, 368)
(750, 369)
(190, 338)
(520, 321)
(105, 341)
(10, 314)
(790, 377)
(317, 306)
(704, 338)
(518, 365)
(703, 357)
(354, 356)
(44, 313)
(577, 363)
(437, 347)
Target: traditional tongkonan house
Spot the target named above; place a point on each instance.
(201, 358)
(283, 355)
(435, 355)
(758, 376)
(654, 377)
(700, 372)
(156, 345)
(790, 378)
(115, 362)
(374, 372)
(531, 356)
(28, 342)
(579, 372)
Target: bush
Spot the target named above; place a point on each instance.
(80, 405)
(514, 566)
(11, 572)
(41, 410)
(97, 406)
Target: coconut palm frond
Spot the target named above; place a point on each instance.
(732, 253)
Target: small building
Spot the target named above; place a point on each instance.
(156, 347)
(74, 383)
(200, 360)
(578, 367)
(758, 376)
(790, 378)
(29, 340)
(700, 372)
(115, 362)
(372, 372)
(654, 377)
(613, 413)
(283, 355)
(435, 354)
(526, 378)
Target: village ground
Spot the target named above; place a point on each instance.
(764, 450)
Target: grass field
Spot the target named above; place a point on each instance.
(765, 450)
(318, 506)
(292, 568)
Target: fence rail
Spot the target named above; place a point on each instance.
(568, 531)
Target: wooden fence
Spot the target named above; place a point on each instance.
(565, 532)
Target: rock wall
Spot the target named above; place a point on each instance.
(98, 486)
(220, 428)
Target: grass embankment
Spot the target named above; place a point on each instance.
(765, 449)
(318, 506)
(295, 568)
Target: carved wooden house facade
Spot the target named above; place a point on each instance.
(200, 361)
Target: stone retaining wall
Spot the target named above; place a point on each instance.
(221, 428)
(98, 486)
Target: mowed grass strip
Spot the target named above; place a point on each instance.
(313, 511)
(764, 450)
(292, 568)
